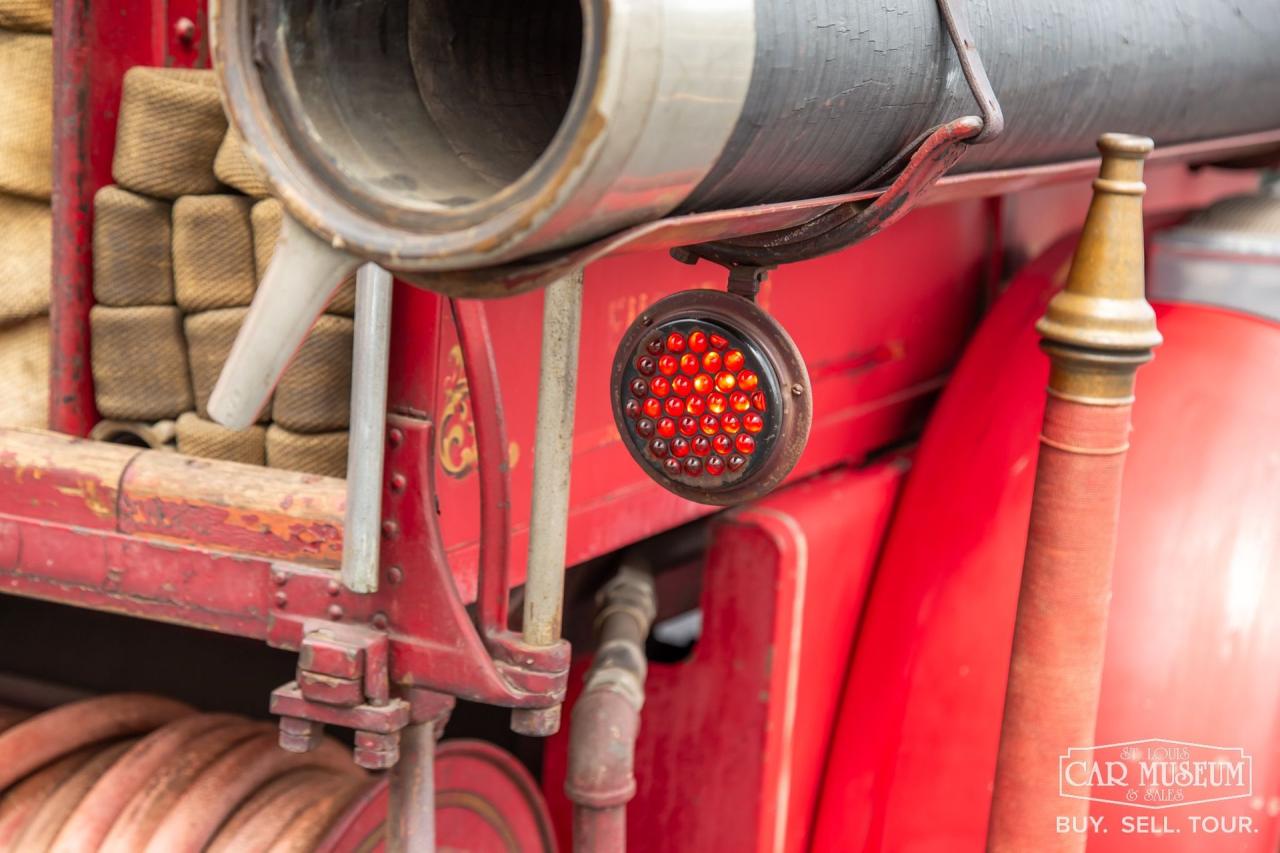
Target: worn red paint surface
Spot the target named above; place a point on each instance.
(732, 740)
(1191, 652)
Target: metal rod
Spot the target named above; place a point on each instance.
(411, 811)
(552, 459)
(361, 537)
(1097, 332)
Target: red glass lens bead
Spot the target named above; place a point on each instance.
(680, 447)
(734, 360)
(660, 386)
(632, 409)
(710, 424)
(731, 423)
(639, 387)
(645, 427)
(693, 466)
(666, 427)
(646, 365)
(736, 461)
(658, 447)
(668, 365)
(752, 422)
(715, 466)
(717, 403)
(698, 341)
(702, 383)
(718, 341)
(725, 381)
(674, 407)
(739, 401)
(722, 443)
(672, 467)
(695, 405)
(653, 407)
(654, 346)
(747, 380)
(689, 364)
(745, 443)
(682, 385)
(688, 425)
(675, 342)
(712, 361)
(758, 400)
(701, 446)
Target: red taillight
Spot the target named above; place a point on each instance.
(712, 397)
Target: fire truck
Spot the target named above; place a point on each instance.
(749, 425)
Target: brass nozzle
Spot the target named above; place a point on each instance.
(1101, 327)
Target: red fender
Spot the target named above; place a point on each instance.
(1194, 644)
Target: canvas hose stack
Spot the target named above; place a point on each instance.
(180, 243)
(26, 180)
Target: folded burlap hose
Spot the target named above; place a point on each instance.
(236, 170)
(31, 15)
(139, 363)
(213, 252)
(131, 238)
(323, 453)
(199, 437)
(157, 436)
(171, 124)
(210, 335)
(26, 235)
(24, 364)
(26, 114)
(314, 395)
(267, 215)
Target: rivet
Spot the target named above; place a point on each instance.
(335, 611)
(279, 578)
(395, 437)
(797, 389)
(390, 530)
(185, 29)
(334, 587)
(281, 599)
(380, 621)
(398, 483)
(395, 574)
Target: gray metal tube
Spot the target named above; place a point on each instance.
(552, 460)
(411, 811)
(361, 537)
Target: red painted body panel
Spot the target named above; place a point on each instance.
(732, 740)
(1192, 644)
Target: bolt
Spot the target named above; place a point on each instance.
(335, 611)
(281, 599)
(279, 578)
(377, 751)
(185, 30)
(536, 722)
(390, 530)
(395, 437)
(797, 389)
(380, 621)
(395, 574)
(334, 587)
(299, 735)
(398, 483)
